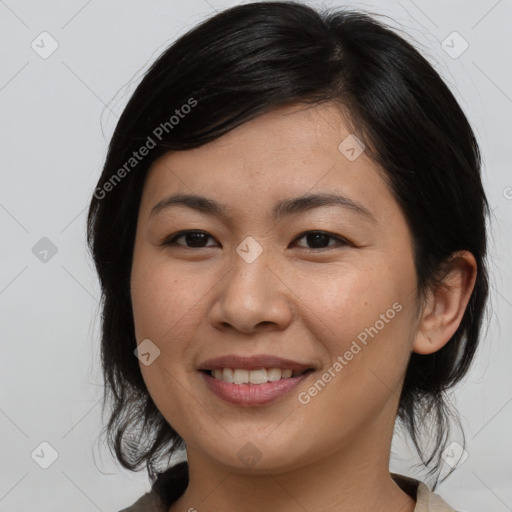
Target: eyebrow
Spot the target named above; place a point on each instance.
(281, 209)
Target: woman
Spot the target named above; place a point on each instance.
(289, 232)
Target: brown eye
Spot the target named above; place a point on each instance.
(193, 239)
(316, 240)
(320, 239)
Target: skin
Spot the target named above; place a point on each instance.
(297, 300)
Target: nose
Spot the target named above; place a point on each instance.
(252, 297)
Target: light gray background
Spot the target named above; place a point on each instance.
(57, 115)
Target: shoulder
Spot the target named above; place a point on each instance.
(171, 484)
(150, 502)
(166, 489)
(426, 500)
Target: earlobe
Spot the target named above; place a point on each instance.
(446, 304)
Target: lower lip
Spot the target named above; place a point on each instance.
(248, 395)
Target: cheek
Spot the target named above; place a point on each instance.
(364, 318)
(165, 298)
(341, 302)
(364, 323)
(167, 309)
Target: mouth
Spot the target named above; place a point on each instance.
(258, 376)
(253, 381)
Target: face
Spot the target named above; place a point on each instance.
(328, 285)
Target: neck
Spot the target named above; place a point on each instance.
(356, 478)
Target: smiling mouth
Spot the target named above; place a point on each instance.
(259, 376)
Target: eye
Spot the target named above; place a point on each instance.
(196, 239)
(319, 238)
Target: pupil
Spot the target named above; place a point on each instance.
(316, 237)
(195, 239)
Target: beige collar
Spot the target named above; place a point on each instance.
(426, 500)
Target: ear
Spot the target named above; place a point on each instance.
(446, 304)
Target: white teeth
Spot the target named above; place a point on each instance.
(258, 376)
(240, 376)
(261, 376)
(227, 375)
(274, 374)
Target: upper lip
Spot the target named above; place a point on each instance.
(253, 363)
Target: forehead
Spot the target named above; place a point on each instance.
(298, 132)
(288, 152)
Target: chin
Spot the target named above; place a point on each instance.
(257, 456)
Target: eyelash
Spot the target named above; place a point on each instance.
(170, 241)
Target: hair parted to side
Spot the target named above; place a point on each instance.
(249, 60)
